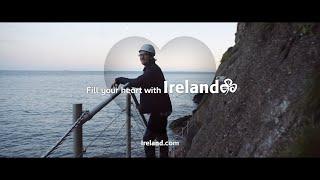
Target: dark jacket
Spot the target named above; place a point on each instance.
(150, 102)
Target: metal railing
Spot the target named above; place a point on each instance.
(81, 117)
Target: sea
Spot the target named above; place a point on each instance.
(36, 111)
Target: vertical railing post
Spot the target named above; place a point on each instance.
(128, 123)
(77, 134)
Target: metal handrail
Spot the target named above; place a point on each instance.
(87, 115)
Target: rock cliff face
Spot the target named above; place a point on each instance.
(277, 69)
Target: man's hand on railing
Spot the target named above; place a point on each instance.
(114, 84)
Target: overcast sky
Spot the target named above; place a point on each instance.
(85, 46)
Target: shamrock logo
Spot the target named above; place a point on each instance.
(228, 86)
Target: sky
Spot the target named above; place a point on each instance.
(88, 46)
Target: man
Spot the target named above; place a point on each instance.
(157, 104)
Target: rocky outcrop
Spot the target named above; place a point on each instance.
(277, 69)
(197, 98)
(177, 125)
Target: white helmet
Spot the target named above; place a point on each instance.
(148, 48)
